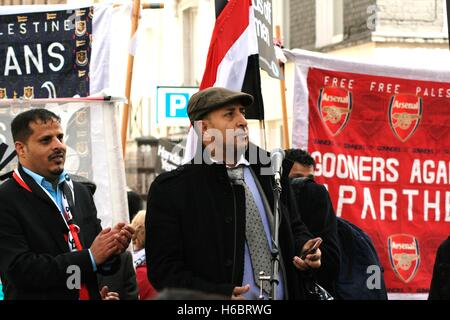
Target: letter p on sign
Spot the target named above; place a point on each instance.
(176, 105)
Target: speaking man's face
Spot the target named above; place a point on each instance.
(227, 129)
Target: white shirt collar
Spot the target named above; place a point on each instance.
(241, 161)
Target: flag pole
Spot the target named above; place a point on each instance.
(286, 143)
(135, 13)
(262, 133)
(126, 110)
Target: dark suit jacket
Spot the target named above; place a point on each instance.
(440, 283)
(316, 211)
(124, 280)
(34, 256)
(195, 230)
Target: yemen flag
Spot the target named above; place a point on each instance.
(233, 53)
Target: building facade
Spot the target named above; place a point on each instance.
(171, 46)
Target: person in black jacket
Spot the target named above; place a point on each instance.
(50, 236)
(440, 283)
(123, 281)
(316, 211)
(197, 225)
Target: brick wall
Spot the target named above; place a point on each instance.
(302, 24)
(356, 16)
(402, 17)
(410, 15)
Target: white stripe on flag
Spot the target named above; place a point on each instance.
(230, 73)
(231, 70)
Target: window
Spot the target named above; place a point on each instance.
(329, 22)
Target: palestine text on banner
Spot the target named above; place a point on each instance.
(380, 138)
(54, 50)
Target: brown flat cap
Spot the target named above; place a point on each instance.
(207, 100)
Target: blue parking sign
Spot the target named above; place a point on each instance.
(171, 106)
(176, 104)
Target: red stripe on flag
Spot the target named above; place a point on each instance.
(231, 23)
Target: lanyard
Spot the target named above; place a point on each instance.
(68, 204)
(72, 236)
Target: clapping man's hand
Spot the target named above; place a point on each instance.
(123, 234)
(104, 246)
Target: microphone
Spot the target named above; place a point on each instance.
(276, 160)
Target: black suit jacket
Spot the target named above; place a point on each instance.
(34, 256)
(124, 280)
(440, 283)
(316, 211)
(195, 230)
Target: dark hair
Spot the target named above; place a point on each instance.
(20, 126)
(300, 156)
(134, 203)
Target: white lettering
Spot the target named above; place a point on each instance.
(404, 246)
(363, 168)
(37, 61)
(23, 29)
(415, 172)
(428, 176)
(10, 29)
(410, 193)
(427, 205)
(378, 168)
(56, 56)
(447, 206)
(442, 173)
(368, 204)
(384, 203)
(328, 168)
(392, 176)
(11, 57)
(344, 200)
(342, 169)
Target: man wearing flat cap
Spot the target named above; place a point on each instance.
(208, 226)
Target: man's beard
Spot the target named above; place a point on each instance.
(57, 172)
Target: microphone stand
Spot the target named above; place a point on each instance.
(275, 248)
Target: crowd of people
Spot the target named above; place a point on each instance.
(208, 228)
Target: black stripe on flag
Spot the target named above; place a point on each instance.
(252, 85)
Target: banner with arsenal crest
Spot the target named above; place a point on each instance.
(380, 139)
(54, 51)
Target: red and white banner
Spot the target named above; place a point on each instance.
(380, 138)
